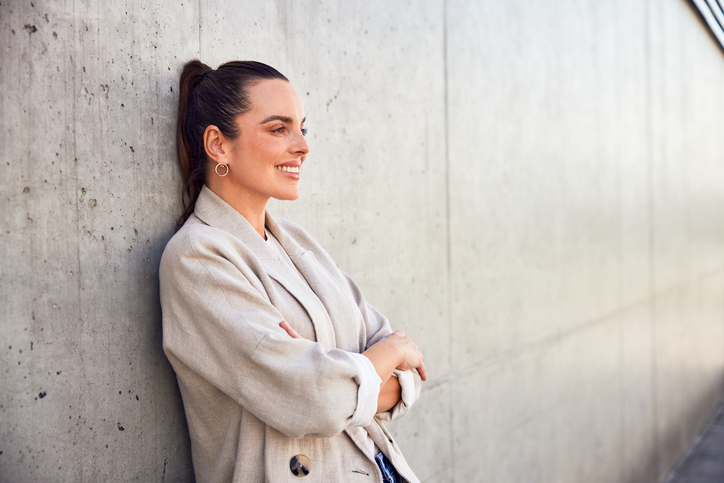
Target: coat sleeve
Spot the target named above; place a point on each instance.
(378, 327)
(221, 326)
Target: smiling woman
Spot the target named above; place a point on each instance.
(285, 370)
(265, 161)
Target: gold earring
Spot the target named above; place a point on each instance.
(226, 166)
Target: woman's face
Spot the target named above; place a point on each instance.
(265, 160)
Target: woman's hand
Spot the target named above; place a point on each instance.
(412, 357)
(293, 333)
(397, 351)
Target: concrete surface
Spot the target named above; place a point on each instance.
(704, 462)
(532, 191)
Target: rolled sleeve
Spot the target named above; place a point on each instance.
(367, 394)
(410, 385)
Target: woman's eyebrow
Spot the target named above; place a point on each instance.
(286, 119)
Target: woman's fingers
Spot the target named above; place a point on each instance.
(413, 358)
(288, 328)
(416, 361)
(422, 371)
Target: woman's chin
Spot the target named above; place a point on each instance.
(288, 196)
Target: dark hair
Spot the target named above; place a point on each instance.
(211, 97)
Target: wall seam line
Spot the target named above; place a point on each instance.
(448, 240)
(78, 227)
(651, 242)
(623, 445)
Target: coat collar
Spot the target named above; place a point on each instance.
(215, 212)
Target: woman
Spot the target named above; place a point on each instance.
(284, 369)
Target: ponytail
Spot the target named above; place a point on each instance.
(210, 97)
(193, 166)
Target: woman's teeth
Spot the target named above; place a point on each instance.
(288, 169)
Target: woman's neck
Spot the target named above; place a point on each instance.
(253, 208)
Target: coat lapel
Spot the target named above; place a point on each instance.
(339, 304)
(284, 275)
(215, 212)
(319, 295)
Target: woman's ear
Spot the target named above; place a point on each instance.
(214, 144)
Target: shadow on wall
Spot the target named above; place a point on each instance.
(177, 464)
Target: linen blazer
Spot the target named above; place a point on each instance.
(254, 397)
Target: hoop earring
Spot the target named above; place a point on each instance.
(226, 166)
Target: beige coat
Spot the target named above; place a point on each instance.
(254, 397)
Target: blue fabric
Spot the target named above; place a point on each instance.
(389, 473)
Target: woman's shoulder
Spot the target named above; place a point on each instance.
(193, 232)
(193, 240)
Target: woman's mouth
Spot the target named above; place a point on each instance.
(288, 169)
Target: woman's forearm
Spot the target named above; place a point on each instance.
(390, 395)
(385, 357)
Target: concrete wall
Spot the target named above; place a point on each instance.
(533, 191)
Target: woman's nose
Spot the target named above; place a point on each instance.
(301, 145)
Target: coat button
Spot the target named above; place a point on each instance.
(300, 465)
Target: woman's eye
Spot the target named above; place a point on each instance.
(279, 130)
(304, 131)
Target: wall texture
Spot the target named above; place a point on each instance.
(532, 190)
